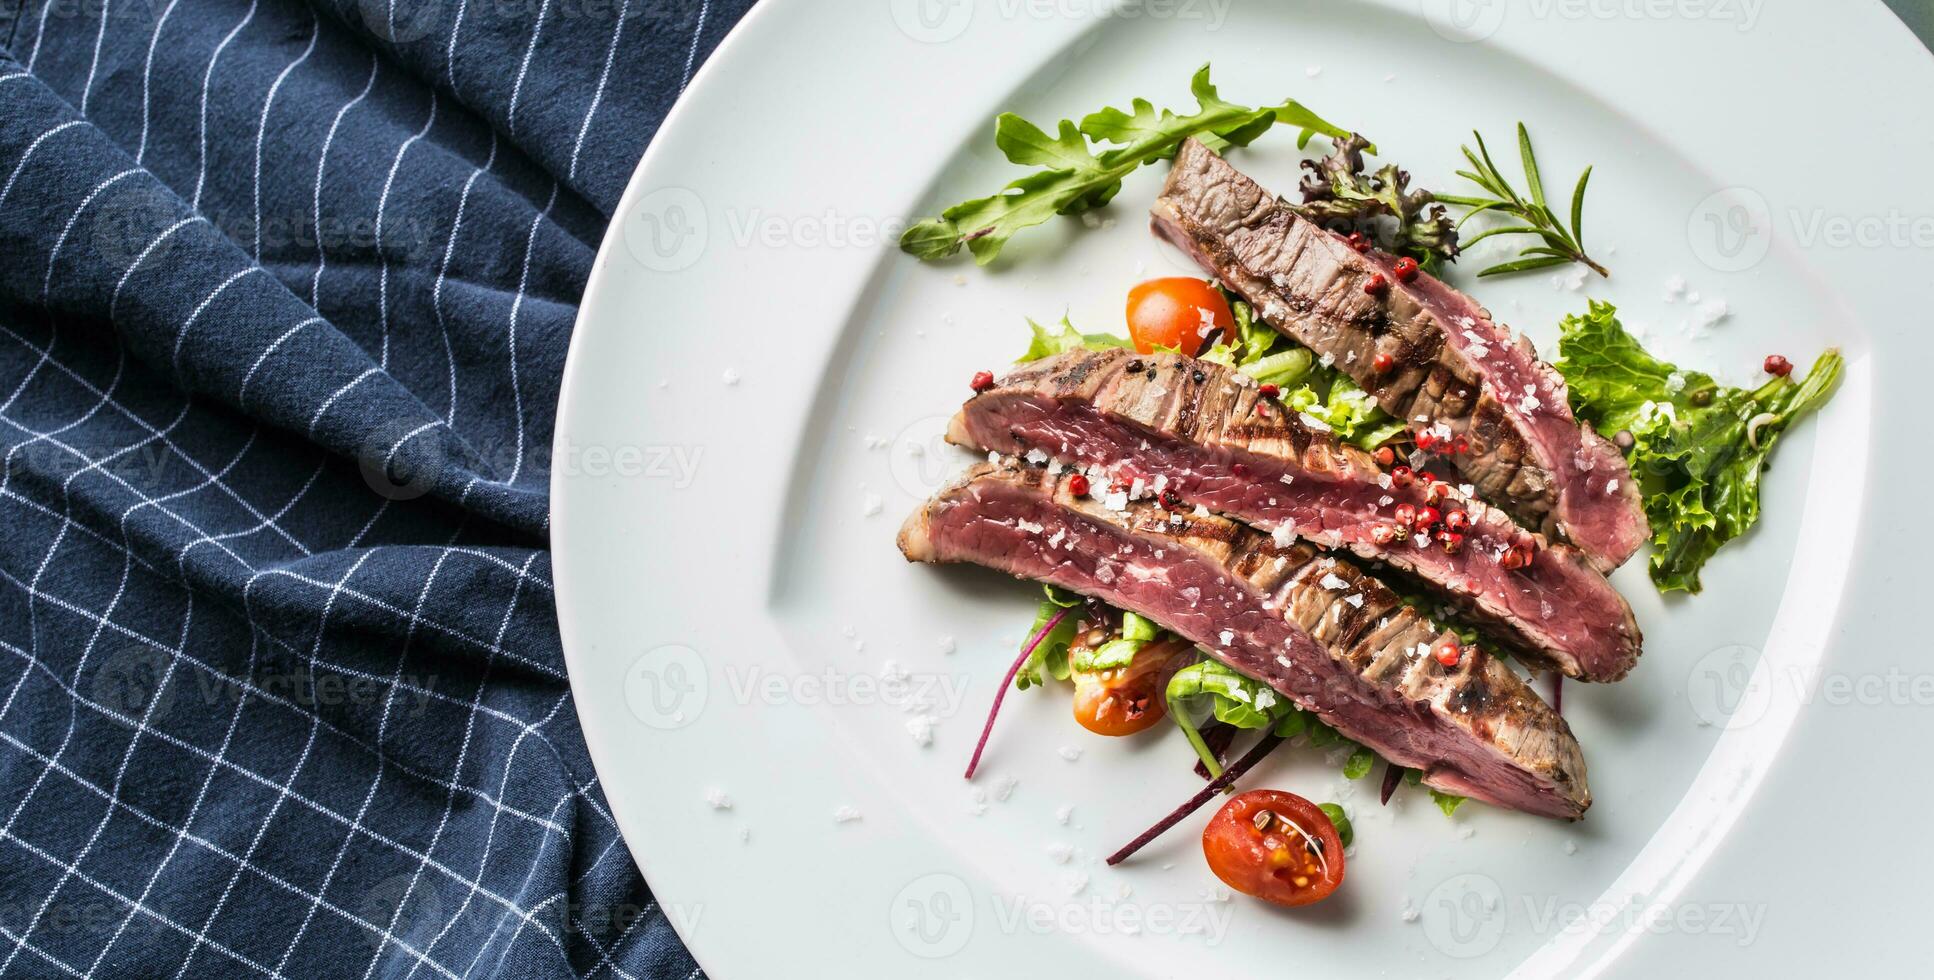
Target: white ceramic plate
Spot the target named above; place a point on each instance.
(755, 362)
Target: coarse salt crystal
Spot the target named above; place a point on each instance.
(846, 814)
(718, 799)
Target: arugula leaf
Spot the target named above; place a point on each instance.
(1698, 447)
(1050, 657)
(1047, 343)
(1075, 178)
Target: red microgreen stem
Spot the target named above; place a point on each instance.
(1558, 694)
(1207, 793)
(1006, 682)
(1217, 738)
(1392, 775)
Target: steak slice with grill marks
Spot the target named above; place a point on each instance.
(1315, 628)
(1449, 362)
(1205, 433)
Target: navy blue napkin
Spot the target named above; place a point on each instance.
(285, 290)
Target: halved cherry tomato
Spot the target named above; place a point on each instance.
(1275, 846)
(1174, 313)
(1128, 699)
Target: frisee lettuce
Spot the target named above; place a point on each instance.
(1697, 451)
(1075, 178)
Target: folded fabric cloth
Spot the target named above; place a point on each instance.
(285, 296)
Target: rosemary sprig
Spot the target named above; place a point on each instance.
(1561, 245)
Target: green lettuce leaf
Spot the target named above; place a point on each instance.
(1359, 763)
(1696, 451)
(1344, 832)
(1047, 343)
(1234, 699)
(1075, 177)
(1447, 802)
(1050, 658)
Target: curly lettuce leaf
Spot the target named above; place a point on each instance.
(1047, 343)
(1076, 178)
(1698, 447)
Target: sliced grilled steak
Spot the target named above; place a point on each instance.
(1449, 364)
(1314, 627)
(1203, 433)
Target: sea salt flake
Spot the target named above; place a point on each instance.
(718, 799)
(846, 814)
